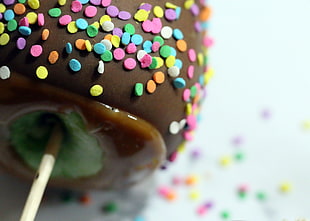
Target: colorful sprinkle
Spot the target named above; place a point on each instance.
(112, 11)
(138, 89)
(54, 12)
(159, 77)
(99, 48)
(75, 65)
(179, 83)
(5, 72)
(130, 63)
(96, 90)
(90, 11)
(150, 86)
(53, 57)
(21, 43)
(36, 50)
(42, 72)
(100, 67)
(118, 54)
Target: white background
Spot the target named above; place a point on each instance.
(261, 61)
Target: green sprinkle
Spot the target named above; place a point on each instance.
(165, 51)
(239, 156)
(107, 56)
(159, 39)
(54, 12)
(225, 215)
(110, 207)
(154, 63)
(22, 1)
(242, 194)
(193, 90)
(138, 89)
(92, 31)
(261, 196)
(67, 196)
(12, 25)
(130, 29)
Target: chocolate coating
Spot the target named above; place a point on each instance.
(159, 109)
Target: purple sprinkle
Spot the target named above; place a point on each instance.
(8, 2)
(237, 141)
(95, 2)
(124, 15)
(146, 7)
(1, 16)
(21, 43)
(197, 26)
(170, 14)
(195, 9)
(118, 32)
(209, 205)
(112, 11)
(196, 153)
(266, 114)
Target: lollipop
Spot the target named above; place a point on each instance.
(123, 79)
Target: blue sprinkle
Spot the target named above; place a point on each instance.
(201, 80)
(81, 23)
(99, 48)
(139, 218)
(147, 46)
(178, 63)
(137, 39)
(125, 38)
(178, 12)
(69, 48)
(24, 30)
(179, 83)
(177, 34)
(204, 25)
(75, 65)
(173, 52)
(84, 1)
(9, 15)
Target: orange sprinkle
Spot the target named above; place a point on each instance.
(19, 8)
(53, 57)
(159, 77)
(171, 196)
(181, 45)
(45, 34)
(191, 180)
(108, 37)
(80, 44)
(205, 14)
(85, 199)
(150, 86)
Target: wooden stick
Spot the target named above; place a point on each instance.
(42, 176)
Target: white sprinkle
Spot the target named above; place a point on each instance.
(5, 72)
(182, 123)
(166, 32)
(141, 54)
(107, 44)
(173, 71)
(107, 26)
(174, 127)
(100, 67)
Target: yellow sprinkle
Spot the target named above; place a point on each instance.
(305, 124)
(41, 72)
(188, 4)
(104, 19)
(32, 17)
(225, 161)
(181, 147)
(200, 59)
(2, 27)
(141, 15)
(170, 5)
(158, 11)
(34, 4)
(88, 46)
(208, 75)
(194, 195)
(188, 108)
(96, 24)
(62, 2)
(160, 62)
(286, 187)
(71, 27)
(170, 61)
(2, 8)
(4, 39)
(115, 40)
(96, 90)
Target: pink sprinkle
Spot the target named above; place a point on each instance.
(130, 63)
(21, 43)
(112, 11)
(41, 20)
(147, 26)
(186, 94)
(76, 6)
(177, 180)
(187, 135)
(124, 15)
(155, 46)
(90, 11)
(173, 156)
(36, 50)
(207, 41)
(195, 9)
(118, 54)
(191, 122)
(243, 188)
(131, 48)
(106, 3)
(157, 25)
(190, 71)
(202, 210)
(64, 20)
(163, 190)
(24, 22)
(146, 61)
(192, 55)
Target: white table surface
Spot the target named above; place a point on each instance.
(261, 61)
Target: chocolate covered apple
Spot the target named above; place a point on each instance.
(124, 79)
